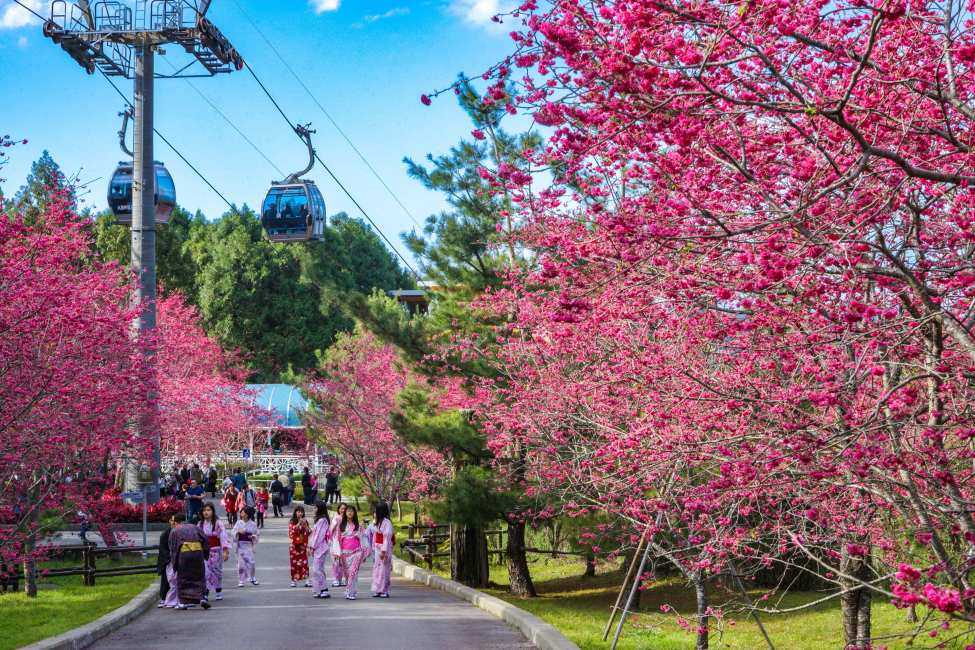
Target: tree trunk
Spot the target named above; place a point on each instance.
(855, 603)
(30, 578)
(519, 577)
(468, 556)
(700, 591)
(590, 565)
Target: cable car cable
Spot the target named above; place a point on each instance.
(196, 171)
(327, 115)
(330, 173)
(228, 121)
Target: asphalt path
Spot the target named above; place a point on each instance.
(274, 615)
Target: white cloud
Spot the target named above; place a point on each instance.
(480, 12)
(321, 6)
(392, 13)
(22, 42)
(13, 16)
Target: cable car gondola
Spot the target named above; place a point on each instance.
(294, 209)
(120, 187)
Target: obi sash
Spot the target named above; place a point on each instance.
(189, 547)
(350, 544)
(245, 537)
(379, 538)
(213, 541)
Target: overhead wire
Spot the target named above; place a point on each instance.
(171, 146)
(339, 183)
(327, 115)
(230, 122)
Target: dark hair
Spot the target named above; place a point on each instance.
(179, 517)
(345, 518)
(207, 504)
(321, 510)
(250, 511)
(294, 514)
(382, 512)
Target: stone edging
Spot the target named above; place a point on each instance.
(86, 635)
(542, 634)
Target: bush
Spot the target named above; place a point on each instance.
(112, 509)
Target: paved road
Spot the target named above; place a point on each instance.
(273, 615)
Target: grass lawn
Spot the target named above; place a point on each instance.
(579, 607)
(64, 603)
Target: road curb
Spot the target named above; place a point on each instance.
(86, 635)
(542, 634)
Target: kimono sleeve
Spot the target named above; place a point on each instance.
(224, 537)
(386, 528)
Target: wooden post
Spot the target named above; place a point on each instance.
(431, 549)
(89, 565)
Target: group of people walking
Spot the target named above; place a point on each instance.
(192, 555)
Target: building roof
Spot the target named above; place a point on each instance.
(282, 405)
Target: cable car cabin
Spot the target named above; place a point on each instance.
(293, 212)
(120, 193)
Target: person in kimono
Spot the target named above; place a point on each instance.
(230, 497)
(318, 549)
(246, 535)
(262, 500)
(298, 533)
(219, 542)
(381, 538)
(352, 553)
(188, 551)
(333, 534)
(167, 592)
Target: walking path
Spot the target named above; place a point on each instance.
(273, 615)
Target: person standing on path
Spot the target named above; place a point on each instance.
(262, 499)
(277, 496)
(331, 485)
(318, 549)
(163, 568)
(291, 487)
(246, 535)
(230, 496)
(211, 485)
(188, 550)
(381, 539)
(350, 541)
(298, 533)
(219, 542)
(194, 501)
(338, 571)
(247, 498)
(238, 478)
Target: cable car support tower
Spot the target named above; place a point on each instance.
(120, 39)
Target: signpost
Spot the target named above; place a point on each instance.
(145, 480)
(245, 453)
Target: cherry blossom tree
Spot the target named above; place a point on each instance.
(354, 394)
(70, 376)
(756, 270)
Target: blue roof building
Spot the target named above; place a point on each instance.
(281, 405)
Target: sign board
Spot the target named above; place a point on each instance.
(245, 453)
(135, 496)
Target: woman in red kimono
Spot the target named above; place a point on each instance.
(298, 532)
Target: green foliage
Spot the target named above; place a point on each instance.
(460, 248)
(351, 486)
(451, 431)
(473, 498)
(176, 269)
(44, 181)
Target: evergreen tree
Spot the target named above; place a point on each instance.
(464, 251)
(45, 182)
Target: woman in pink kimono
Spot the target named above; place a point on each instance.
(219, 542)
(246, 536)
(352, 553)
(381, 538)
(337, 571)
(318, 549)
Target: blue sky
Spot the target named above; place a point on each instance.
(367, 61)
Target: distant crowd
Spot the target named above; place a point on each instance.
(193, 550)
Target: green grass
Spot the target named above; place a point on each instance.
(580, 606)
(64, 603)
